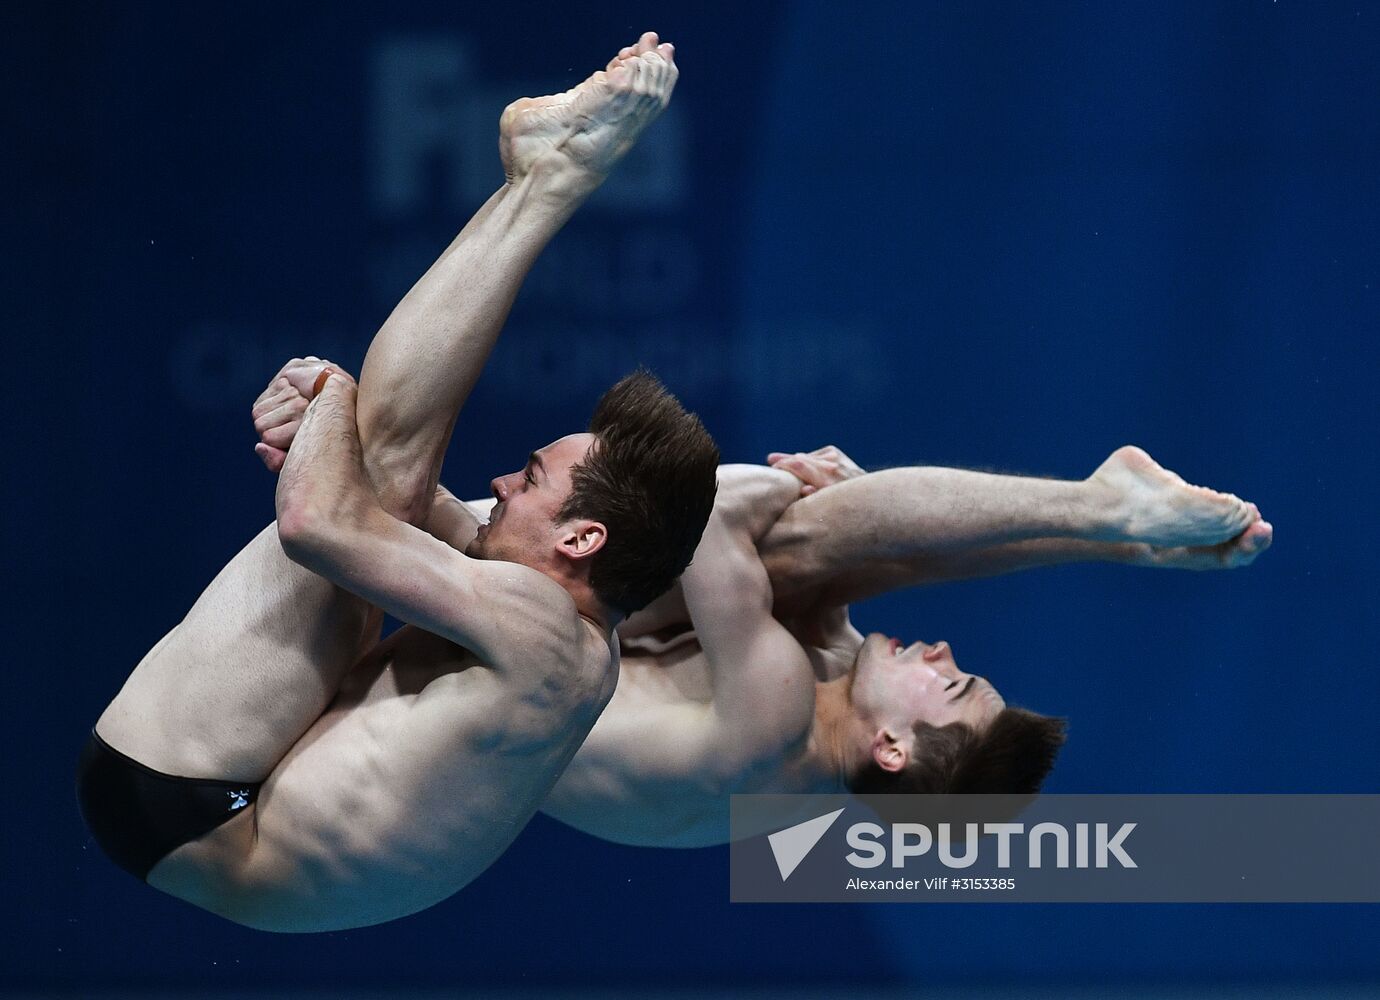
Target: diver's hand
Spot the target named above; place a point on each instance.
(816, 469)
(278, 410)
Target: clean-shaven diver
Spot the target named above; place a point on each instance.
(748, 677)
(270, 759)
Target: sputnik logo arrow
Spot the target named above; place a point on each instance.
(790, 845)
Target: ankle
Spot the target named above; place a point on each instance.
(556, 183)
(1108, 517)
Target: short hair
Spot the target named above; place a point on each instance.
(1012, 756)
(650, 478)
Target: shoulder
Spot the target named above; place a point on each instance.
(527, 603)
(541, 690)
(550, 652)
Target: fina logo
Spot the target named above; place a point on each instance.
(912, 840)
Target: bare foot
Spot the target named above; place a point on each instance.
(1157, 507)
(1239, 551)
(587, 130)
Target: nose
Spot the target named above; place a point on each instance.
(499, 485)
(938, 651)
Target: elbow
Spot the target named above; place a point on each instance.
(310, 527)
(301, 530)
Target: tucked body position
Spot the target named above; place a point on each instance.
(272, 760)
(748, 677)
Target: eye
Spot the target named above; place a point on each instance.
(529, 477)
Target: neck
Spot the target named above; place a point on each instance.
(587, 603)
(595, 611)
(827, 759)
(600, 617)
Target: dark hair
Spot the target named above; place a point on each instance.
(1012, 756)
(650, 478)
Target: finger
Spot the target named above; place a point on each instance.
(799, 468)
(321, 381)
(273, 458)
(819, 472)
(337, 386)
(290, 409)
(304, 377)
(276, 384)
(776, 456)
(835, 455)
(807, 489)
(281, 437)
(814, 464)
(272, 397)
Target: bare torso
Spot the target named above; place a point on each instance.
(378, 831)
(630, 784)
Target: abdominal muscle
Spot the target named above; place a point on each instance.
(414, 780)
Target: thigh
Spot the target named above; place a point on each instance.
(229, 690)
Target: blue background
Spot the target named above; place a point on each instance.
(981, 234)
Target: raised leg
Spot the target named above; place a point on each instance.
(422, 365)
(858, 583)
(262, 652)
(900, 527)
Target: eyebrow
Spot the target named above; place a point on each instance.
(535, 459)
(966, 688)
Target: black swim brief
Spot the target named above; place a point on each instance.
(138, 815)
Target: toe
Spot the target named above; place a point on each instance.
(1256, 539)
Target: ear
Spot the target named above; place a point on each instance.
(888, 752)
(582, 539)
